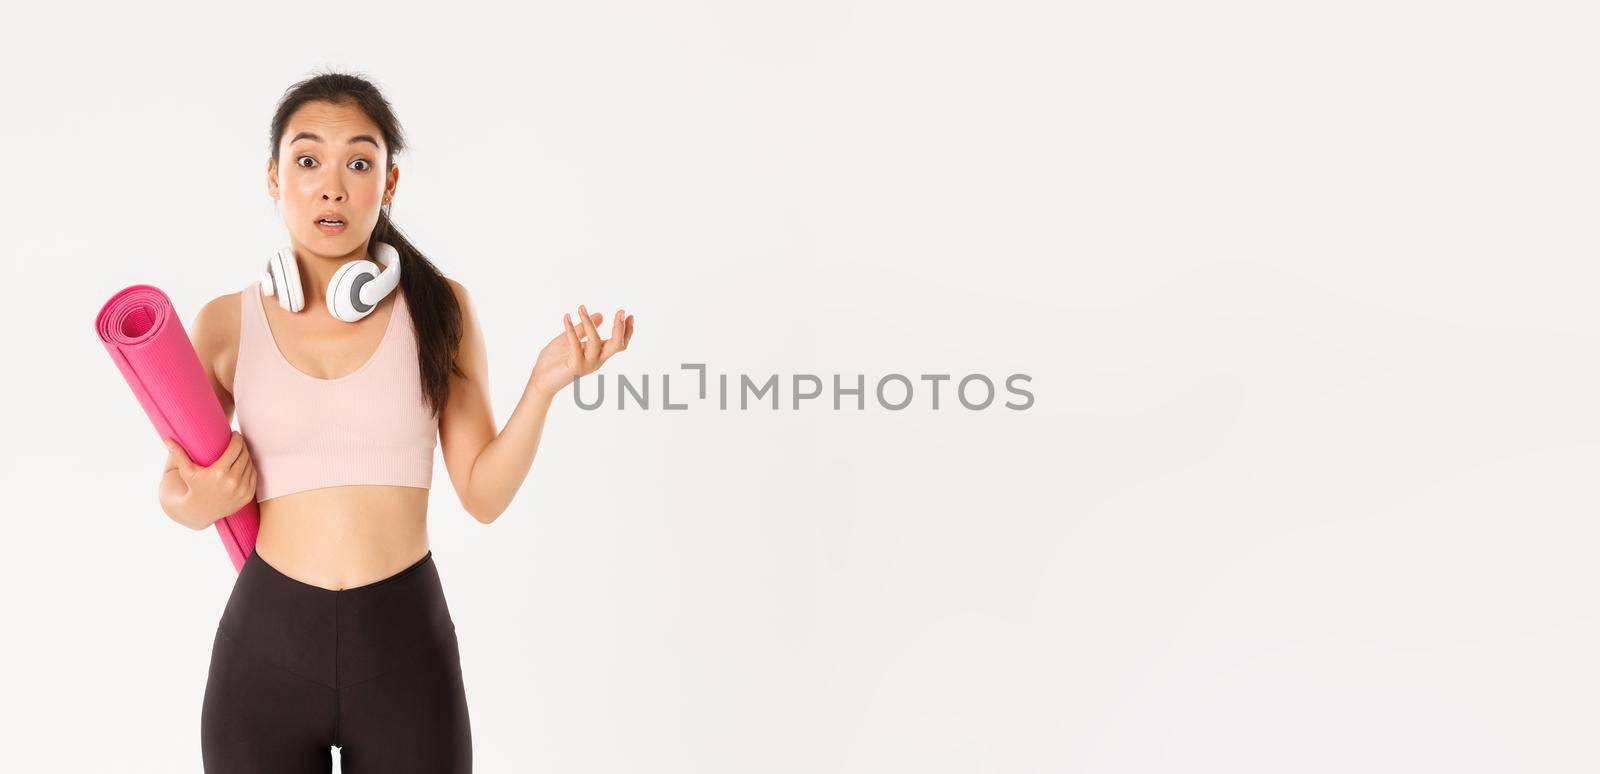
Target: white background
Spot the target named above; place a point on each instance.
(1306, 292)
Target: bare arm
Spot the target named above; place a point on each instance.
(487, 468)
(503, 463)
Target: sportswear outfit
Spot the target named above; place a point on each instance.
(296, 669)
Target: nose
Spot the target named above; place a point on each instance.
(337, 196)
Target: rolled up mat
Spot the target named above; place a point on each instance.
(149, 345)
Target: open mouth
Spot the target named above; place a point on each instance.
(330, 225)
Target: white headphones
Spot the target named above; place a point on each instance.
(353, 292)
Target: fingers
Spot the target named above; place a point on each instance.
(617, 342)
(585, 337)
(231, 477)
(591, 348)
(179, 457)
(241, 462)
(582, 334)
(235, 445)
(572, 340)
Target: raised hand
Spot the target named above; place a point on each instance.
(579, 350)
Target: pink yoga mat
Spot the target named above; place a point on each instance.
(146, 340)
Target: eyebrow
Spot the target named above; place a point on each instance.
(353, 140)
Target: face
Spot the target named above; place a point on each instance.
(330, 165)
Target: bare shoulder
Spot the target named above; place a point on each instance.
(469, 315)
(217, 323)
(470, 357)
(461, 293)
(215, 334)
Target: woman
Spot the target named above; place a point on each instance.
(336, 633)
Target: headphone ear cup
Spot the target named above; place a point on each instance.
(273, 282)
(290, 295)
(344, 290)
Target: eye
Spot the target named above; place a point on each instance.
(298, 164)
(362, 161)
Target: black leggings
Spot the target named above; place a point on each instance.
(373, 670)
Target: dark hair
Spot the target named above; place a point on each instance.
(434, 310)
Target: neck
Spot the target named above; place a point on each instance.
(316, 270)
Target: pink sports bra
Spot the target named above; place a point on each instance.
(371, 426)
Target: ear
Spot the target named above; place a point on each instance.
(393, 182)
(272, 178)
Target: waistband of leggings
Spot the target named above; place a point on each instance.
(337, 637)
(277, 577)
